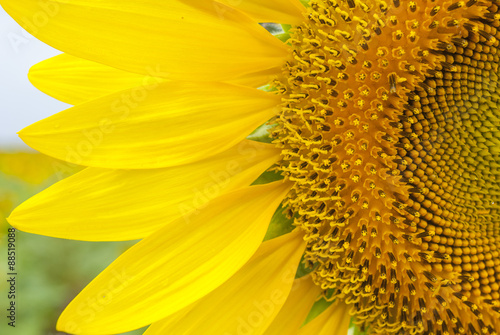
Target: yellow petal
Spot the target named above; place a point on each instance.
(30, 167)
(334, 320)
(175, 266)
(112, 205)
(75, 80)
(185, 40)
(296, 308)
(167, 124)
(278, 11)
(249, 301)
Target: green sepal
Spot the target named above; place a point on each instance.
(286, 28)
(279, 225)
(283, 37)
(268, 177)
(262, 133)
(302, 269)
(268, 88)
(319, 307)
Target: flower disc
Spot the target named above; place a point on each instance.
(389, 130)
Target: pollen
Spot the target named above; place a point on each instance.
(390, 116)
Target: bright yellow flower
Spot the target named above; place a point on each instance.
(384, 121)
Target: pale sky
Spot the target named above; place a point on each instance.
(20, 103)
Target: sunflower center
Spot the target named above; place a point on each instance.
(389, 130)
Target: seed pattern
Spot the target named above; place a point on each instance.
(389, 130)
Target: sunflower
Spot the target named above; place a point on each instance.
(380, 196)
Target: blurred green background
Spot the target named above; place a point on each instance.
(50, 271)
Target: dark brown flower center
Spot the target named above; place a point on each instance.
(390, 130)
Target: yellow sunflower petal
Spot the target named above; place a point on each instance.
(279, 11)
(186, 40)
(76, 80)
(112, 205)
(296, 308)
(176, 266)
(334, 320)
(249, 301)
(167, 124)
